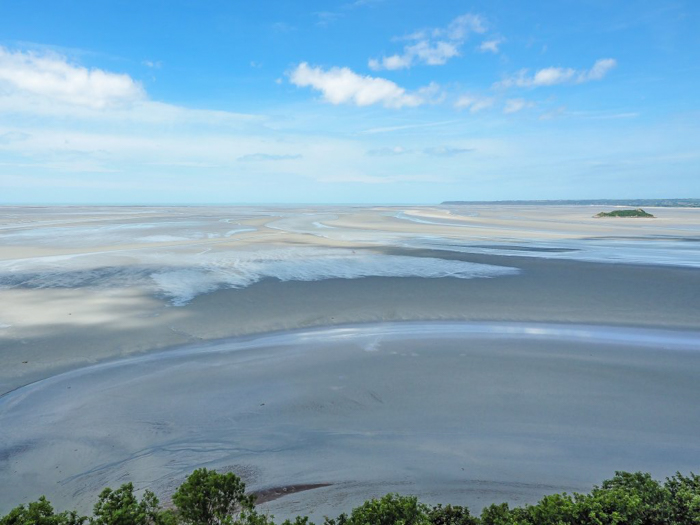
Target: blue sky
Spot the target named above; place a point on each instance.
(367, 101)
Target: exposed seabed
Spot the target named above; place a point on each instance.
(467, 413)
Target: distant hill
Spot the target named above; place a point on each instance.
(636, 203)
(638, 213)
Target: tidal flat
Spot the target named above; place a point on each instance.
(138, 343)
(454, 412)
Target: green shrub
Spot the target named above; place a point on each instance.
(209, 498)
(121, 507)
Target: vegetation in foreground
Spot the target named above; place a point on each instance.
(626, 213)
(210, 498)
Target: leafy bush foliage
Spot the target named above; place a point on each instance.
(209, 498)
(389, 510)
(122, 507)
(40, 512)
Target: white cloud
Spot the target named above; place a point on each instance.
(461, 26)
(551, 76)
(600, 69)
(433, 47)
(430, 53)
(58, 115)
(261, 157)
(51, 77)
(514, 105)
(344, 86)
(432, 93)
(446, 151)
(490, 45)
(47, 84)
(474, 103)
(388, 152)
(389, 129)
(604, 115)
(53, 144)
(139, 112)
(554, 113)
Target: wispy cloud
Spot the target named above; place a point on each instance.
(363, 178)
(551, 76)
(325, 18)
(262, 157)
(283, 27)
(474, 103)
(605, 115)
(389, 129)
(554, 113)
(184, 164)
(599, 69)
(388, 152)
(491, 46)
(432, 47)
(13, 136)
(344, 86)
(446, 151)
(513, 105)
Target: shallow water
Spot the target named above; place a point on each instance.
(180, 276)
(466, 413)
(654, 251)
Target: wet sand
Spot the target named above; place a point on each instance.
(267, 495)
(460, 413)
(78, 327)
(112, 287)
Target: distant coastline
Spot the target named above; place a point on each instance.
(635, 203)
